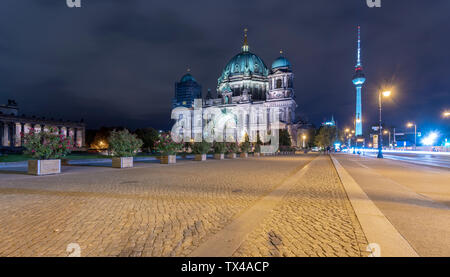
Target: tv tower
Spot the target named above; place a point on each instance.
(358, 81)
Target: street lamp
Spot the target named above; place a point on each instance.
(446, 114)
(410, 125)
(304, 137)
(388, 132)
(380, 136)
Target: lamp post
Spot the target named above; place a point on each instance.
(409, 125)
(380, 136)
(388, 132)
(304, 137)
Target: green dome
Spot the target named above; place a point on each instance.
(244, 63)
(281, 62)
(187, 78)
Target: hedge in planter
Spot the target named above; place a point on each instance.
(257, 150)
(245, 147)
(123, 146)
(232, 149)
(200, 149)
(168, 148)
(46, 148)
(219, 149)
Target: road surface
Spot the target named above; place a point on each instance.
(437, 160)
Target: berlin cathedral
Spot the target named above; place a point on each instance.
(246, 82)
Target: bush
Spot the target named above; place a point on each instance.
(148, 136)
(47, 145)
(232, 147)
(245, 147)
(284, 148)
(201, 147)
(123, 143)
(220, 147)
(166, 146)
(257, 148)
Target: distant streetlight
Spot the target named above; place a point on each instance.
(446, 114)
(410, 125)
(388, 132)
(380, 136)
(304, 137)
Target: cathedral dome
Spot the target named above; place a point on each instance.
(281, 62)
(244, 63)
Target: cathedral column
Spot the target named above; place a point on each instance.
(63, 131)
(18, 137)
(26, 128)
(37, 128)
(78, 141)
(83, 137)
(5, 134)
(71, 133)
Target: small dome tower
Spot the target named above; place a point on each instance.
(281, 79)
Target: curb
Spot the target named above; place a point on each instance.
(375, 225)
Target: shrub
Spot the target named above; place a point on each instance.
(166, 146)
(201, 147)
(123, 143)
(148, 136)
(284, 148)
(45, 145)
(245, 147)
(232, 147)
(257, 148)
(220, 147)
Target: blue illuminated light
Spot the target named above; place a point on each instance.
(430, 139)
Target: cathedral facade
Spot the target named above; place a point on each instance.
(246, 83)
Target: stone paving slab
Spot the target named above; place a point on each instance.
(315, 219)
(150, 210)
(225, 242)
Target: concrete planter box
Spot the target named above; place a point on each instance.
(219, 156)
(122, 162)
(243, 155)
(256, 154)
(64, 162)
(200, 157)
(231, 156)
(170, 159)
(44, 167)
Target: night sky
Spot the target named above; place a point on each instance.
(115, 62)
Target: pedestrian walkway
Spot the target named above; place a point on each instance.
(172, 210)
(414, 198)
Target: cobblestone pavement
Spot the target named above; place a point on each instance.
(169, 210)
(315, 220)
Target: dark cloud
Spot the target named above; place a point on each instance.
(115, 62)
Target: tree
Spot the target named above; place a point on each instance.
(285, 138)
(123, 144)
(326, 136)
(148, 136)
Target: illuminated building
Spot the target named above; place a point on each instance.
(332, 122)
(246, 82)
(186, 91)
(12, 125)
(358, 80)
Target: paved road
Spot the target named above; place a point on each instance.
(421, 159)
(415, 199)
(170, 210)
